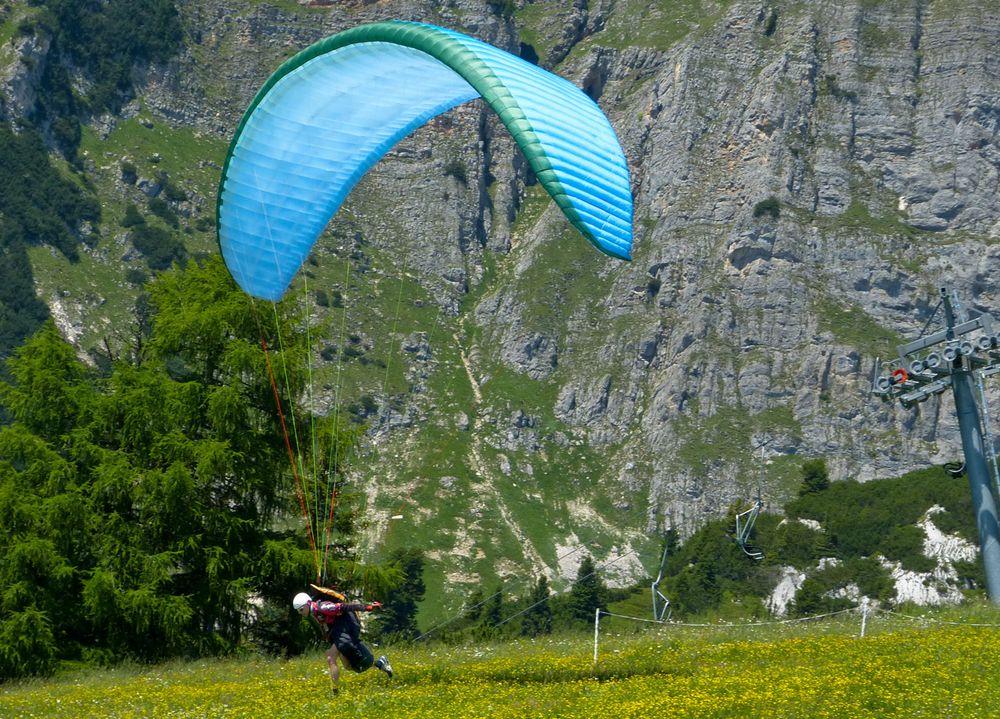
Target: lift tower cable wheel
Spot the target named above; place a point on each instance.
(959, 360)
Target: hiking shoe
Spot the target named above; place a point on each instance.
(384, 665)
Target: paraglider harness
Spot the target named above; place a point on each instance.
(344, 632)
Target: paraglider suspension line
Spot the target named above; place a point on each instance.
(291, 455)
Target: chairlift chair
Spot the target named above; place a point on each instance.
(746, 520)
(661, 605)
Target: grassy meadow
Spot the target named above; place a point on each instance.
(945, 664)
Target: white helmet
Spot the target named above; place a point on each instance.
(301, 603)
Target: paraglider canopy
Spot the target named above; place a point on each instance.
(330, 113)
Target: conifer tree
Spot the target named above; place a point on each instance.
(474, 606)
(588, 592)
(398, 618)
(140, 509)
(492, 614)
(44, 532)
(815, 477)
(538, 615)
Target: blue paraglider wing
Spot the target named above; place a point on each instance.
(332, 111)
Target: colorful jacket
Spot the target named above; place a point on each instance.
(327, 612)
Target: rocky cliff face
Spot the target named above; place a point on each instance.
(871, 128)
(806, 174)
(864, 123)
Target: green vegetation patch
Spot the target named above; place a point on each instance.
(503, 387)
(877, 38)
(147, 147)
(658, 25)
(106, 39)
(848, 524)
(565, 276)
(374, 325)
(725, 437)
(15, 19)
(851, 325)
(530, 17)
(39, 206)
(881, 516)
(292, 6)
(534, 202)
(857, 216)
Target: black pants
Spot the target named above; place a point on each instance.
(345, 634)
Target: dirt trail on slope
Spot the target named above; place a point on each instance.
(486, 487)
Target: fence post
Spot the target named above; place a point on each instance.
(864, 615)
(597, 629)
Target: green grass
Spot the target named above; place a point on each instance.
(81, 286)
(536, 200)
(726, 437)
(513, 390)
(901, 668)
(852, 326)
(9, 22)
(563, 277)
(529, 18)
(374, 303)
(190, 159)
(181, 149)
(290, 6)
(658, 25)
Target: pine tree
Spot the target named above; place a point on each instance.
(538, 615)
(191, 474)
(398, 617)
(147, 501)
(45, 533)
(815, 477)
(588, 592)
(44, 396)
(474, 606)
(493, 609)
(492, 614)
